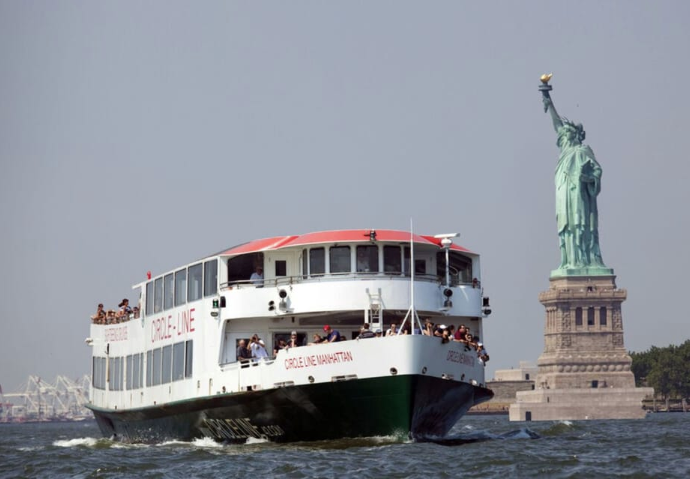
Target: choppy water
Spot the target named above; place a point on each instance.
(481, 447)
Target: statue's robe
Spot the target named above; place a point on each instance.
(578, 182)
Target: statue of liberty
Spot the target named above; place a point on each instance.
(578, 182)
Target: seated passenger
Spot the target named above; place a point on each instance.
(378, 333)
(393, 331)
(99, 317)
(257, 277)
(332, 335)
(365, 332)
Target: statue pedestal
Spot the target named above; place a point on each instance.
(584, 371)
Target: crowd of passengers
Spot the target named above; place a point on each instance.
(256, 349)
(111, 316)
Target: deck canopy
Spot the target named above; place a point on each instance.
(340, 236)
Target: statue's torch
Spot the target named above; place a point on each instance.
(545, 88)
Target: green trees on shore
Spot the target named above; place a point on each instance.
(667, 370)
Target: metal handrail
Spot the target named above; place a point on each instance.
(317, 278)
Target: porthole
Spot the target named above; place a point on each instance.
(424, 370)
(394, 371)
(311, 379)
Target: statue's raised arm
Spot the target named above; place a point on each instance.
(545, 88)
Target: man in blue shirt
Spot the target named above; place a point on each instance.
(333, 334)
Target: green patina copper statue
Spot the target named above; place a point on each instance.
(578, 182)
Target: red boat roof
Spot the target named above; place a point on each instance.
(340, 236)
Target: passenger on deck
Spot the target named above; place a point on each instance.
(99, 317)
(281, 345)
(135, 311)
(332, 335)
(365, 332)
(125, 310)
(243, 353)
(482, 353)
(292, 342)
(257, 277)
(460, 334)
(471, 342)
(393, 331)
(445, 336)
(438, 330)
(428, 327)
(258, 348)
(316, 339)
(378, 333)
(110, 317)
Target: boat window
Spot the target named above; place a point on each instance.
(392, 259)
(368, 259)
(180, 287)
(240, 268)
(98, 374)
(602, 316)
(317, 261)
(178, 361)
(281, 268)
(156, 368)
(129, 383)
(137, 363)
(339, 258)
(420, 266)
(406, 260)
(168, 291)
(460, 267)
(189, 354)
(194, 282)
(115, 374)
(149, 298)
(167, 364)
(149, 368)
(210, 277)
(158, 296)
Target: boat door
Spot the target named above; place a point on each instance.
(280, 267)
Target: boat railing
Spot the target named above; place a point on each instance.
(327, 277)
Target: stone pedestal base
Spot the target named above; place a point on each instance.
(579, 404)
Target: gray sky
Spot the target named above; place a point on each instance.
(138, 136)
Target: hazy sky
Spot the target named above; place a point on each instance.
(138, 136)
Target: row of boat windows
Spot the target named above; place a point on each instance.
(182, 286)
(163, 365)
(396, 260)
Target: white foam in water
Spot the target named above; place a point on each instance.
(256, 440)
(206, 442)
(82, 441)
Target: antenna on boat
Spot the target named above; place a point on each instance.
(412, 312)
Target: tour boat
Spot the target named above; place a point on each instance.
(170, 371)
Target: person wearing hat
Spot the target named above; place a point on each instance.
(257, 277)
(332, 334)
(378, 333)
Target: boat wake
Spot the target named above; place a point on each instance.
(479, 436)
